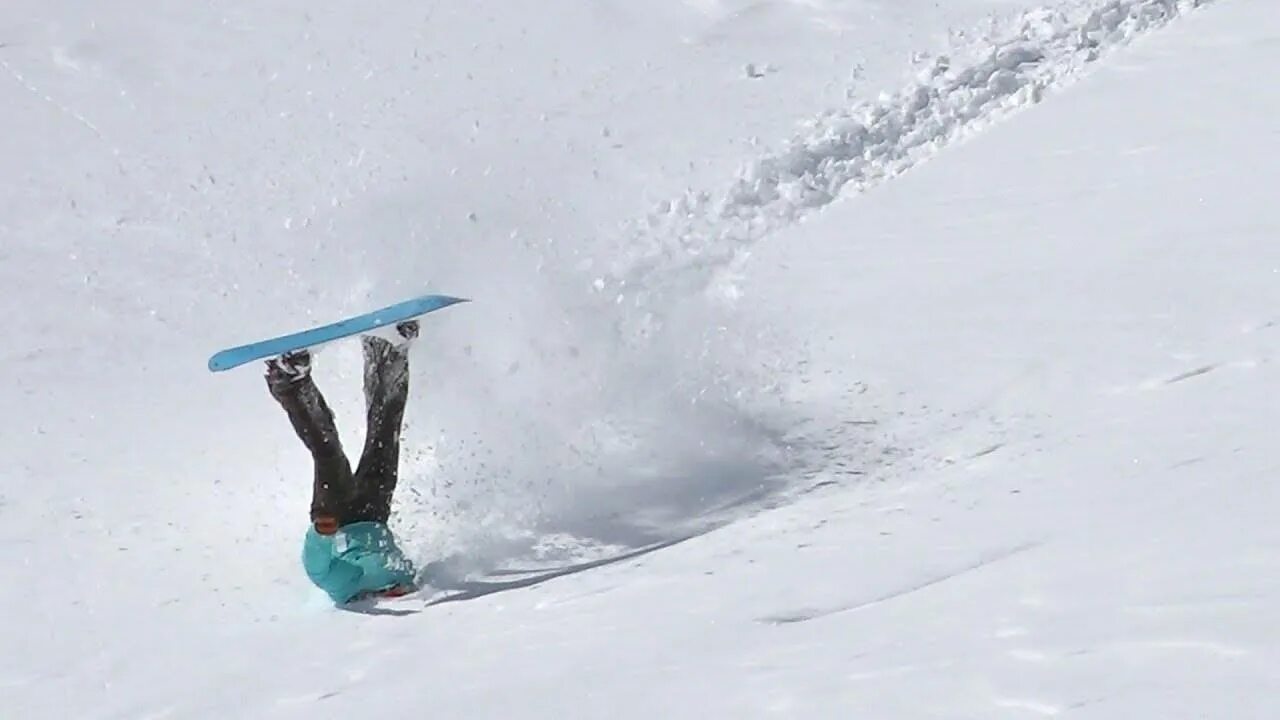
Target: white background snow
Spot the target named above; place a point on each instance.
(922, 353)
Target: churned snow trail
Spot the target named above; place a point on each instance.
(692, 241)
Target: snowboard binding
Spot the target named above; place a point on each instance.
(408, 332)
(289, 368)
(286, 370)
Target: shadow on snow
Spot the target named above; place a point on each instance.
(455, 590)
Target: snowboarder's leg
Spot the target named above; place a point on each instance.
(333, 488)
(386, 390)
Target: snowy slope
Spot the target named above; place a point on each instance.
(190, 178)
(1009, 414)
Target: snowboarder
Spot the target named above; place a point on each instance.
(349, 552)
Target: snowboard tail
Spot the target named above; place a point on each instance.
(360, 324)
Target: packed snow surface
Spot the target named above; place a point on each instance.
(828, 359)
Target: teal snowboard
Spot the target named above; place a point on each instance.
(358, 325)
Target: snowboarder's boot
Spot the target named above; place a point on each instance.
(285, 371)
(407, 332)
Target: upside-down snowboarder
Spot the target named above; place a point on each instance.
(349, 551)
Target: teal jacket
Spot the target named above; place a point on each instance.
(360, 558)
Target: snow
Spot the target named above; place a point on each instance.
(956, 401)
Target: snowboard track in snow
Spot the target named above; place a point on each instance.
(700, 243)
(695, 241)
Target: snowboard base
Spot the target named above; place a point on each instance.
(368, 323)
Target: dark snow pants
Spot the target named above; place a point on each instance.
(337, 493)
